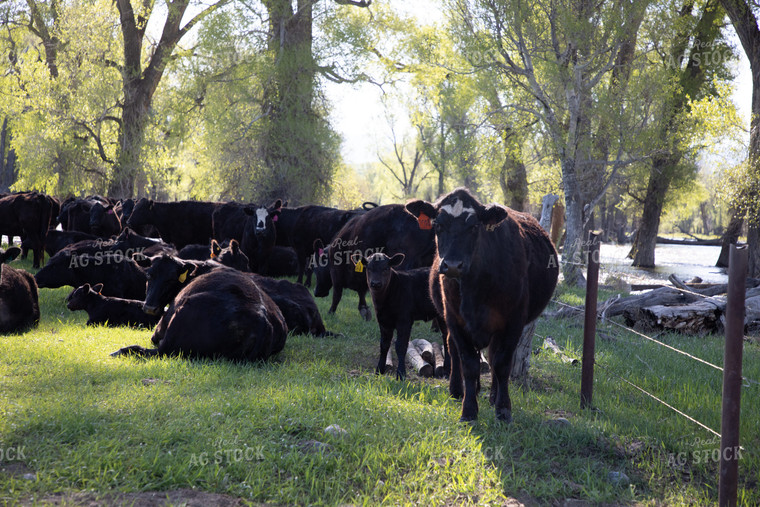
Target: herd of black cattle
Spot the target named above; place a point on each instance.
(201, 273)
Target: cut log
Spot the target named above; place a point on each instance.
(389, 360)
(665, 296)
(484, 366)
(425, 348)
(438, 353)
(696, 318)
(422, 367)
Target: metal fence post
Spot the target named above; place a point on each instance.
(732, 377)
(589, 323)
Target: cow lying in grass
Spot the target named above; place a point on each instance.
(19, 306)
(168, 275)
(399, 298)
(222, 314)
(108, 310)
(494, 272)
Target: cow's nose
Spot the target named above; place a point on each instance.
(375, 284)
(150, 310)
(450, 269)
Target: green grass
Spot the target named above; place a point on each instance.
(87, 422)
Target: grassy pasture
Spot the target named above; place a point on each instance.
(78, 426)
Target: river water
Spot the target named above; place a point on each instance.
(685, 261)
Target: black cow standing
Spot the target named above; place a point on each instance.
(400, 298)
(28, 215)
(388, 229)
(494, 272)
(104, 222)
(220, 314)
(19, 305)
(181, 223)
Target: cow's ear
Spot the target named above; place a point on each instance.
(492, 216)
(249, 210)
(417, 207)
(357, 259)
(98, 287)
(215, 248)
(276, 205)
(423, 211)
(319, 247)
(234, 246)
(10, 254)
(396, 260)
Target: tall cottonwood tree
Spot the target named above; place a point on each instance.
(562, 55)
(141, 77)
(689, 72)
(298, 146)
(744, 16)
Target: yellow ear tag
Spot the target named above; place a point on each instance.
(359, 267)
(183, 276)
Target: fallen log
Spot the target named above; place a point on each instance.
(389, 360)
(696, 318)
(693, 242)
(425, 348)
(664, 296)
(550, 344)
(422, 367)
(438, 365)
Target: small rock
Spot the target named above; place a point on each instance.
(618, 479)
(30, 477)
(559, 422)
(335, 430)
(313, 446)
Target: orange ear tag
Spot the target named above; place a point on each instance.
(359, 267)
(424, 222)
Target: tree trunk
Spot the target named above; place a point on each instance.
(131, 136)
(294, 148)
(513, 176)
(730, 236)
(521, 357)
(572, 251)
(646, 238)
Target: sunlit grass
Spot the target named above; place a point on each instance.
(90, 422)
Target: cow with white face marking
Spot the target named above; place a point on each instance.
(259, 235)
(494, 271)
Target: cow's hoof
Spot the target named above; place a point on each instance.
(504, 415)
(457, 395)
(400, 377)
(365, 313)
(468, 419)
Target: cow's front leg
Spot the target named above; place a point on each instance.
(470, 364)
(404, 329)
(386, 335)
(500, 354)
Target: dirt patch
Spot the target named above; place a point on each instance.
(16, 469)
(183, 497)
